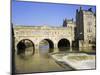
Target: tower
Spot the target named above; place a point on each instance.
(68, 23)
(65, 23)
(85, 25)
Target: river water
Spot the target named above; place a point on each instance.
(41, 62)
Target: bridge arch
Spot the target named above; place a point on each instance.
(26, 47)
(63, 44)
(50, 43)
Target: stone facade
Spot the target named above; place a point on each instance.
(38, 33)
(85, 27)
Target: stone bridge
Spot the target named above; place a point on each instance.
(53, 35)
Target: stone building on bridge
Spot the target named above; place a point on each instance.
(54, 35)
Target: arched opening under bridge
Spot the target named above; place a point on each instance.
(25, 47)
(46, 46)
(64, 45)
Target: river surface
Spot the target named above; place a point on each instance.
(41, 62)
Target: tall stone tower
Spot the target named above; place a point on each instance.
(85, 25)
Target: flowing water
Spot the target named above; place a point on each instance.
(40, 62)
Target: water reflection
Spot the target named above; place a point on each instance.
(41, 62)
